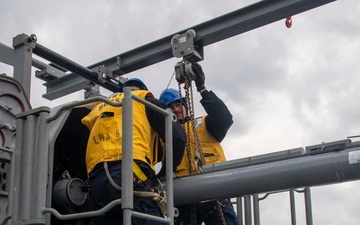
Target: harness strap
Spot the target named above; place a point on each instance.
(138, 172)
(159, 198)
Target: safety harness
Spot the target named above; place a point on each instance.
(157, 194)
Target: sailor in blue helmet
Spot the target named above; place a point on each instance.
(211, 129)
(135, 83)
(104, 153)
(171, 95)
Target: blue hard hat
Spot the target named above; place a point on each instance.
(135, 82)
(169, 96)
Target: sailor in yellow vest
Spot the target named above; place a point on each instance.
(104, 151)
(211, 130)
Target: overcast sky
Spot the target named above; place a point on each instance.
(286, 88)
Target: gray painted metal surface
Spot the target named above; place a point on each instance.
(307, 170)
(23, 61)
(27, 194)
(127, 157)
(212, 31)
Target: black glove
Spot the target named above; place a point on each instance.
(199, 76)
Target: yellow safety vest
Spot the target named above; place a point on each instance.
(105, 125)
(211, 148)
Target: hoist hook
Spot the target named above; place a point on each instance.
(288, 22)
(198, 165)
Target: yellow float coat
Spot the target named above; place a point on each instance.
(105, 125)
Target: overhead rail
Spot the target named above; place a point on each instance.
(75, 68)
(106, 73)
(212, 31)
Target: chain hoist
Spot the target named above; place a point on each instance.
(183, 45)
(185, 75)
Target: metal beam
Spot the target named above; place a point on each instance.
(73, 66)
(22, 62)
(6, 54)
(217, 29)
(303, 171)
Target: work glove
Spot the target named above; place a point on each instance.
(199, 76)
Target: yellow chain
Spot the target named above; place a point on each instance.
(198, 153)
(220, 212)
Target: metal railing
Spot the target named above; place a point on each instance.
(248, 207)
(27, 195)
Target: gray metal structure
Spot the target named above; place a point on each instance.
(107, 73)
(245, 177)
(50, 141)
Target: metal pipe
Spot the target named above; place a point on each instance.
(292, 207)
(28, 171)
(82, 215)
(72, 66)
(239, 210)
(169, 165)
(83, 103)
(308, 208)
(248, 212)
(38, 64)
(127, 156)
(41, 166)
(256, 209)
(60, 60)
(331, 167)
(151, 217)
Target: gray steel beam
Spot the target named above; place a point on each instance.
(217, 29)
(68, 85)
(22, 62)
(6, 54)
(73, 67)
(48, 73)
(307, 170)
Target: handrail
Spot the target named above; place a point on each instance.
(169, 116)
(82, 214)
